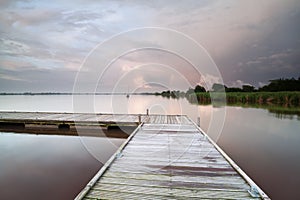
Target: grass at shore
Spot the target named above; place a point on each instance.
(282, 104)
(277, 98)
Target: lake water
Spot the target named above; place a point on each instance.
(264, 144)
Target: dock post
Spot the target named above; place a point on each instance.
(140, 119)
(147, 112)
(198, 121)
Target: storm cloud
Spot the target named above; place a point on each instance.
(43, 44)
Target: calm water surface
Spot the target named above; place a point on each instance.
(263, 145)
(48, 167)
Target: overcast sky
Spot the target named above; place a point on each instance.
(44, 43)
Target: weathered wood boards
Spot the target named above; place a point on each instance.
(84, 118)
(71, 118)
(169, 161)
(84, 124)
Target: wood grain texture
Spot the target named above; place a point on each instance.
(170, 161)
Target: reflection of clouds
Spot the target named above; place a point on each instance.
(107, 147)
(156, 105)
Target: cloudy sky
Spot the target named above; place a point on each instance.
(44, 45)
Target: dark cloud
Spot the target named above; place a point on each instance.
(267, 49)
(250, 41)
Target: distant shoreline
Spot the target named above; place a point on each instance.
(260, 98)
(69, 93)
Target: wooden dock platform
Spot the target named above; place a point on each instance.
(53, 118)
(88, 118)
(83, 124)
(166, 157)
(170, 161)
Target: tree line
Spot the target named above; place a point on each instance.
(276, 85)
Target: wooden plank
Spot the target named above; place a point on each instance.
(193, 151)
(126, 195)
(172, 127)
(128, 161)
(103, 117)
(172, 192)
(178, 173)
(174, 162)
(175, 184)
(162, 177)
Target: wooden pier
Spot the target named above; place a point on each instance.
(170, 161)
(166, 157)
(83, 124)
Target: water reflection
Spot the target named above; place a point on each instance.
(281, 111)
(48, 167)
(278, 111)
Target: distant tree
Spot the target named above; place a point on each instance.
(217, 87)
(234, 89)
(199, 88)
(248, 88)
(175, 94)
(181, 94)
(166, 93)
(282, 85)
(190, 91)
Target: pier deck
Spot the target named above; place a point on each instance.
(166, 157)
(83, 124)
(52, 118)
(170, 161)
